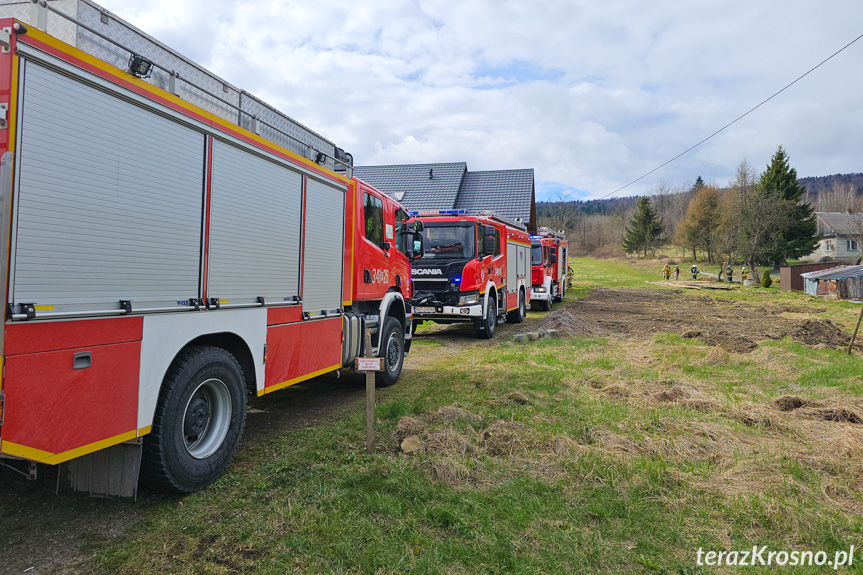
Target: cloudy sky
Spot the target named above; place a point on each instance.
(590, 94)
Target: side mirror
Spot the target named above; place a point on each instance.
(416, 226)
(387, 246)
(553, 258)
(416, 247)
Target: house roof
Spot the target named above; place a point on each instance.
(508, 193)
(837, 273)
(837, 223)
(425, 186)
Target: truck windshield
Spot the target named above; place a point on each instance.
(536, 255)
(444, 242)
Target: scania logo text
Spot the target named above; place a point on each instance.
(427, 272)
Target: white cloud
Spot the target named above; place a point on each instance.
(591, 95)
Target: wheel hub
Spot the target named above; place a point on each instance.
(393, 353)
(196, 418)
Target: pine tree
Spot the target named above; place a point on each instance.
(645, 229)
(697, 186)
(800, 236)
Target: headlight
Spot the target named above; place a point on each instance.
(539, 289)
(468, 299)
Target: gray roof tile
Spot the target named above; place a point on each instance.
(508, 193)
(421, 192)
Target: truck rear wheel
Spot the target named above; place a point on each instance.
(545, 305)
(484, 329)
(518, 314)
(198, 422)
(392, 349)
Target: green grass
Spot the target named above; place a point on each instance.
(568, 456)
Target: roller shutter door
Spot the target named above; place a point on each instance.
(109, 200)
(324, 245)
(255, 223)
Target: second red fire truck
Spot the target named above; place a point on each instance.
(475, 268)
(549, 259)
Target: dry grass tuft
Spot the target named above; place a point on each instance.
(409, 426)
(717, 356)
(451, 413)
(756, 415)
(563, 446)
(516, 397)
(450, 442)
(617, 390)
(449, 471)
(505, 437)
(685, 396)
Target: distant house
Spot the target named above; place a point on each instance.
(841, 234)
(509, 193)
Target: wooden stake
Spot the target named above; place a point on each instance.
(370, 399)
(854, 335)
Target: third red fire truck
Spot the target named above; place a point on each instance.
(475, 268)
(549, 259)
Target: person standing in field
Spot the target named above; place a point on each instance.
(676, 272)
(729, 273)
(694, 271)
(666, 272)
(743, 274)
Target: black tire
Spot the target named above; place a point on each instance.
(392, 349)
(198, 422)
(545, 305)
(485, 328)
(518, 314)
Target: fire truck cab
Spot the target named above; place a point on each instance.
(474, 268)
(549, 254)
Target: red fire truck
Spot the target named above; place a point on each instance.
(474, 268)
(168, 249)
(549, 260)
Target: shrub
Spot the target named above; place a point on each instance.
(766, 281)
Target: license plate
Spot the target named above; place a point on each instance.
(424, 309)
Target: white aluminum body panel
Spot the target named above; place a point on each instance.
(109, 199)
(323, 250)
(255, 220)
(166, 334)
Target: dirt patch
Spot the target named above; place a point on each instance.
(791, 402)
(813, 332)
(568, 325)
(840, 414)
(733, 326)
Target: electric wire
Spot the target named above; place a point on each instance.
(723, 128)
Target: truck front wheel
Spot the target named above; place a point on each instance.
(392, 349)
(484, 329)
(198, 422)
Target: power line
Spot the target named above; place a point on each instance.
(686, 151)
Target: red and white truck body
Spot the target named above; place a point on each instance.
(160, 252)
(549, 263)
(475, 267)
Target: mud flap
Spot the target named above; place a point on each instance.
(110, 473)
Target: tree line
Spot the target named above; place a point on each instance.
(757, 218)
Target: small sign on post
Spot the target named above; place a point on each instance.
(370, 365)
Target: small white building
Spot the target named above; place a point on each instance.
(841, 238)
